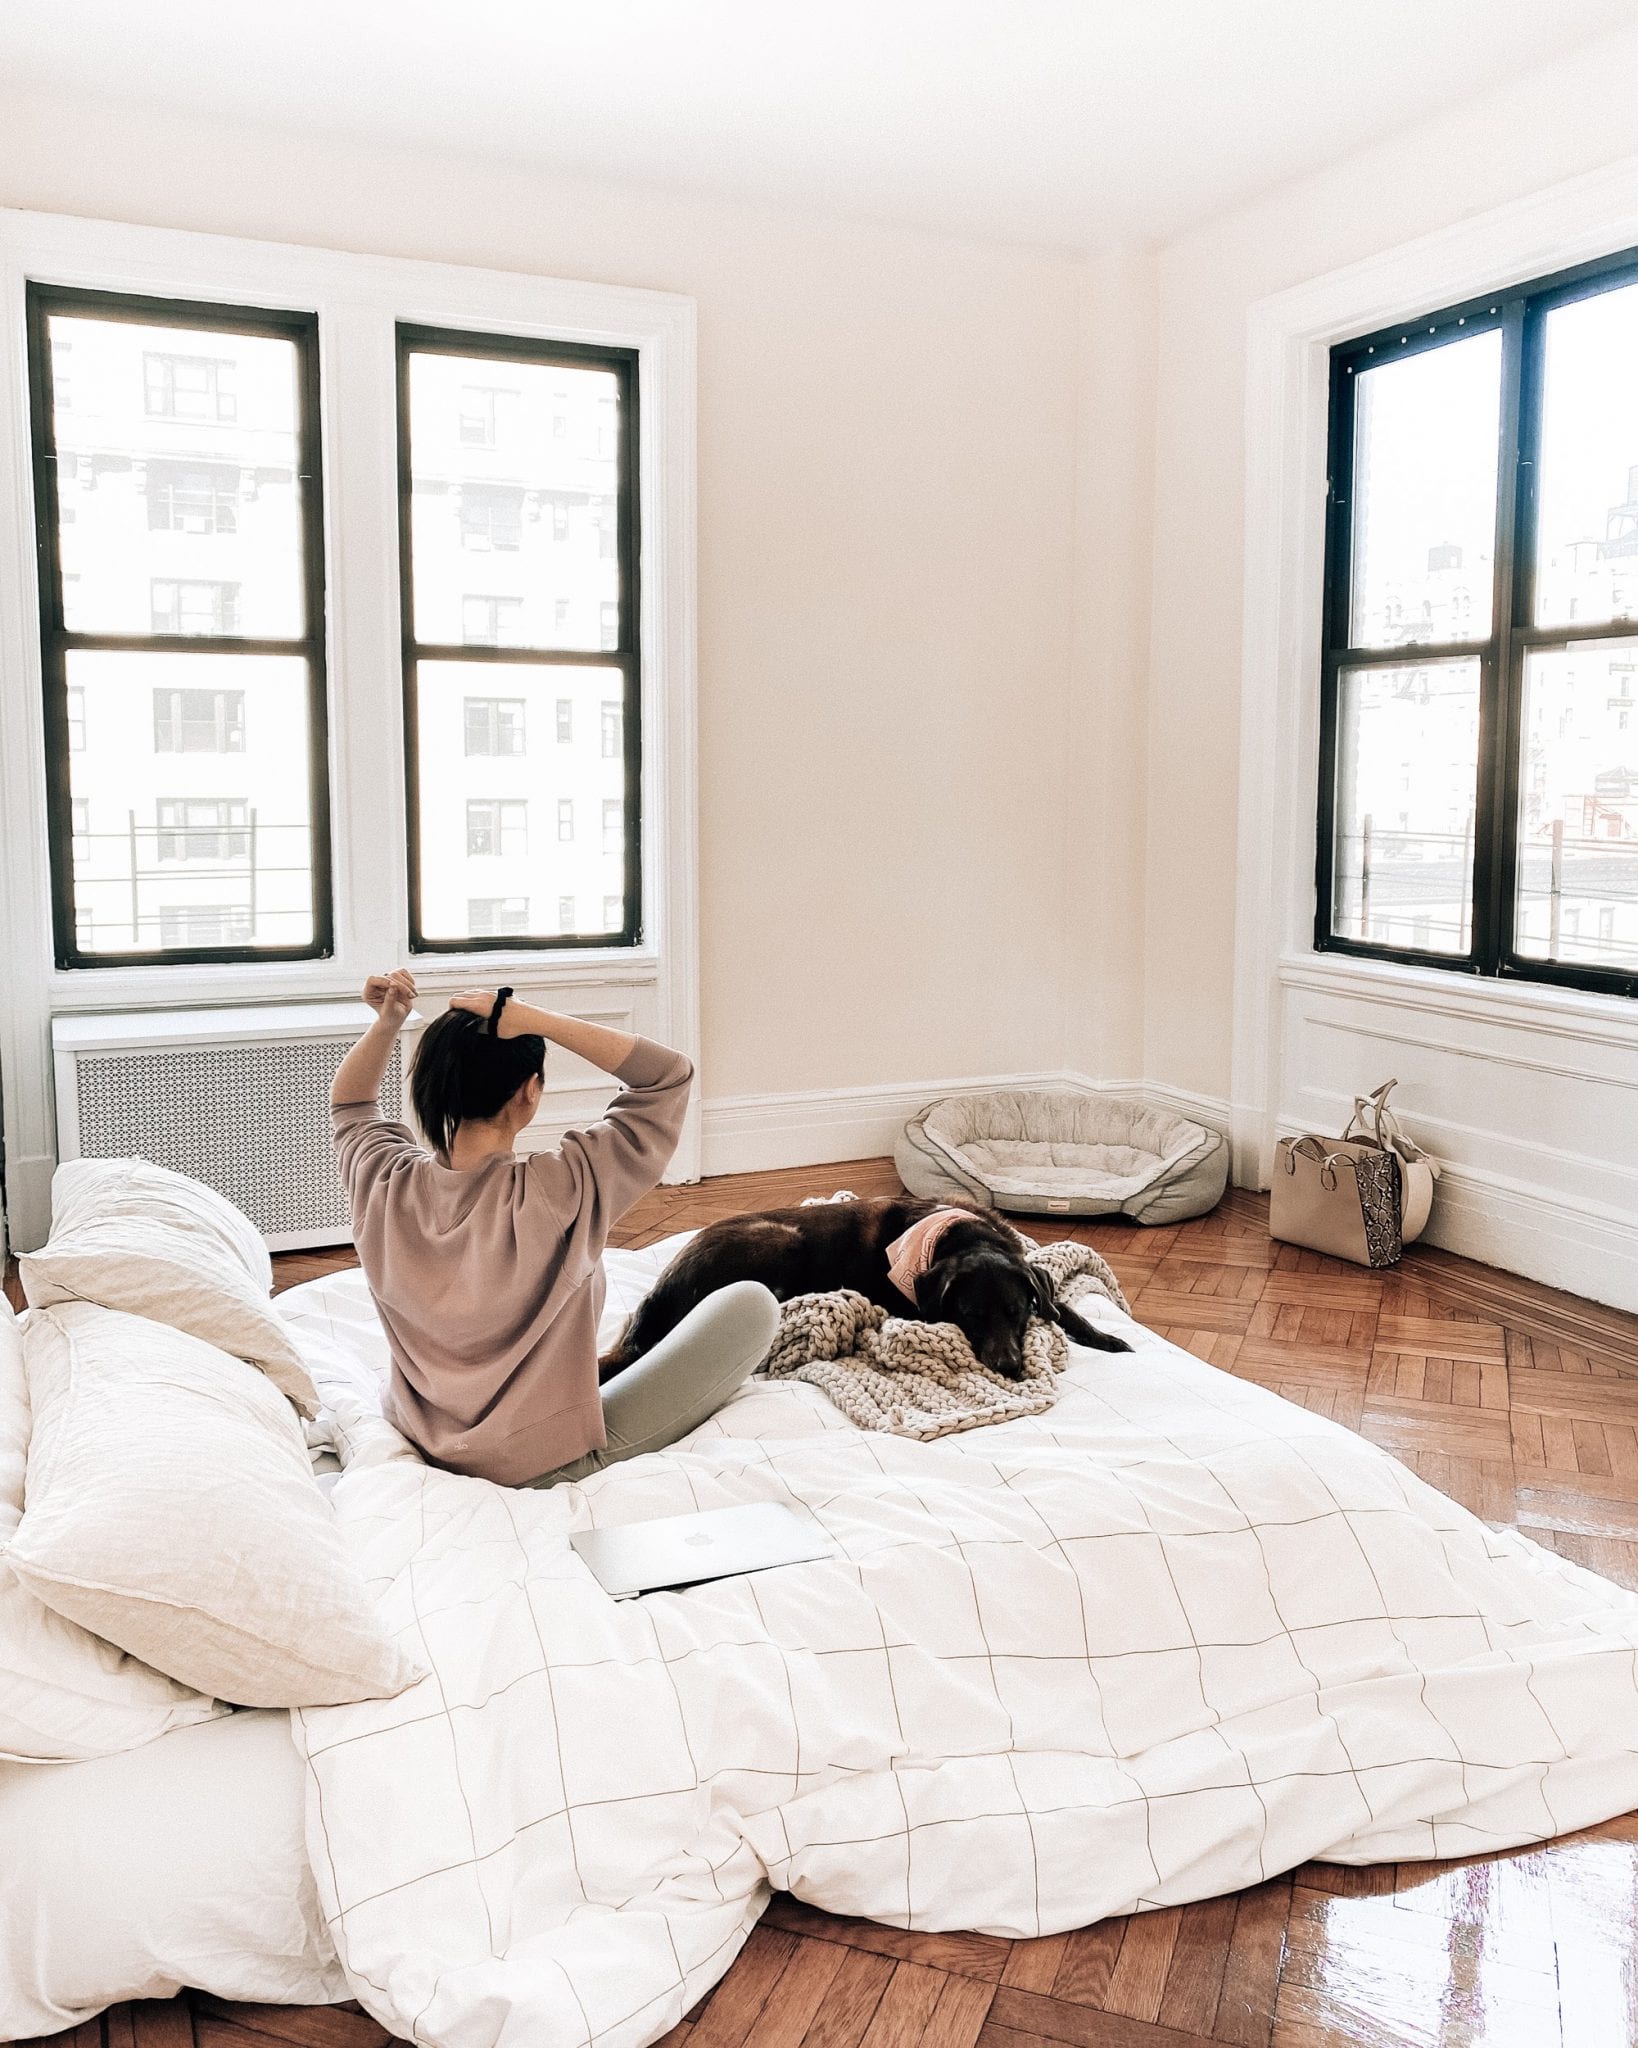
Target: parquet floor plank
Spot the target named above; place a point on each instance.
(315, 2026)
(1516, 1400)
(855, 1993)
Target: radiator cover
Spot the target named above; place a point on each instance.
(237, 1099)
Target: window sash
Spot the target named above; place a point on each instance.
(1521, 315)
(201, 382)
(619, 623)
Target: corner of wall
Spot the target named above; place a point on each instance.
(1105, 722)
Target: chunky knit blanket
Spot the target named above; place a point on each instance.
(921, 1379)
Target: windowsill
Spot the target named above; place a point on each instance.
(1522, 1005)
(286, 981)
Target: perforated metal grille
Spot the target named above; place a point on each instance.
(251, 1121)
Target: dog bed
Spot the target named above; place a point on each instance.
(1050, 1152)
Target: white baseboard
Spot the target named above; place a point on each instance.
(1214, 1111)
(813, 1127)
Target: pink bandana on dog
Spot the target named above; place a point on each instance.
(908, 1257)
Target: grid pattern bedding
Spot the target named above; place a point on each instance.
(1167, 1639)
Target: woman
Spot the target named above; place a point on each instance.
(486, 1268)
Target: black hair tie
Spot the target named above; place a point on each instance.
(501, 996)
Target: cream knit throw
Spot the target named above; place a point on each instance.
(921, 1379)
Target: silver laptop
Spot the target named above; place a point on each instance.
(686, 1550)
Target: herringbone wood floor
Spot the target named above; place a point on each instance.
(1519, 1402)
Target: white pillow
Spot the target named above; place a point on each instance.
(130, 1235)
(64, 1696)
(171, 1509)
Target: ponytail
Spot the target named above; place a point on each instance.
(462, 1074)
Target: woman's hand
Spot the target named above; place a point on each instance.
(516, 1020)
(391, 996)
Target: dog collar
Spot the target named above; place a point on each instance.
(909, 1256)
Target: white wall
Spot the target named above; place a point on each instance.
(1538, 1115)
(887, 479)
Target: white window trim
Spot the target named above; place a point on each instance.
(1289, 338)
(358, 299)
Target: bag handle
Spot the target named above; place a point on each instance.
(1311, 1147)
(1384, 1127)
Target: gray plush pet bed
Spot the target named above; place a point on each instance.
(1049, 1152)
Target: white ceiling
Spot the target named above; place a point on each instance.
(1057, 121)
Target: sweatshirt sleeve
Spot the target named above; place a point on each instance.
(367, 1147)
(602, 1170)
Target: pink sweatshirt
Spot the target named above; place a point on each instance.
(487, 1279)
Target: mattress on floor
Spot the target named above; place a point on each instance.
(1165, 1640)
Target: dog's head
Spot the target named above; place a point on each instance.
(990, 1295)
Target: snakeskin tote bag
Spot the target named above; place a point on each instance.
(1363, 1196)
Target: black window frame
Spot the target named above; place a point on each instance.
(1519, 314)
(57, 642)
(626, 655)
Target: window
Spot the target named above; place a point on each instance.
(1479, 783)
(560, 636)
(491, 621)
(191, 499)
(194, 607)
(79, 819)
(496, 825)
(491, 518)
(497, 917)
(203, 926)
(173, 408)
(611, 732)
(485, 414)
(199, 721)
(202, 828)
(565, 914)
(496, 725)
(197, 388)
(614, 910)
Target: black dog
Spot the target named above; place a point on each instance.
(977, 1277)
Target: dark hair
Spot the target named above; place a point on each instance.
(462, 1073)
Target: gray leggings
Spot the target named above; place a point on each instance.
(686, 1377)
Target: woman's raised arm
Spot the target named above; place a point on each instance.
(359, 1077)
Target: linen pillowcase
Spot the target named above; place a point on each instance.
(64, 1696)
(129, 1235)
(171, 1509)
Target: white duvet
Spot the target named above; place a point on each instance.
(1168, 1639)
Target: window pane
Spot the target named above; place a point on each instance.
(1587, 497)
(1424, 488)
(1407, 774)
(177, 479)
(1578, 806)
(515, 819)
(514, 507)
(190, 789)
